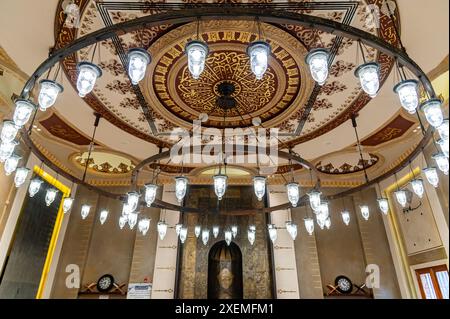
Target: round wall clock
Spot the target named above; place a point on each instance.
(105, 283)
(343, 284)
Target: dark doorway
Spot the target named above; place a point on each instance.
(225, 271)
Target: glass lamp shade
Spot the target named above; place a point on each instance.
(320, 220)
(365, 212)
(34, 187)
(432, 175)
(23, 111)
(196, 51)
(400, 195)
(9, 132)
(11, 164)
(150, 193)
(443, 144)
(417, 186)
(309, 225)
(317, 60)
(291, 229)
(215, 231)
(7, 149)
(251, 236)
(87, 76)
(433, 112)
(314, 200)
(103, 216)
(85, 210)
(178, 229)
(293, 193)
(67, 204)
(205, 236)
(234, 230)
(443, 130)
(138, 59)
(220, 185)
(383, 205)
(441, 162)
(144, 226)
(273, 234)
(126, 209)
(197, 230)
(228, 236)
(181, 184)
(324, 210)
(258, 53)
(183, 234)
(408, 94)
(345, 217)
(50, 196)
(133, 200)
(162, 229)
(122, 221)
(259, 186)
(132, 219)
(328, 222)
(21, 176)
(369, 77)
(48, 94)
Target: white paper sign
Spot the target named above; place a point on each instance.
(139, 291)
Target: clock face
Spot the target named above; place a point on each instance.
(105, 283)
(344, 285)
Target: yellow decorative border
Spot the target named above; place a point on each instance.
(59, 217)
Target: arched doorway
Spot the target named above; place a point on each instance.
(225, 271)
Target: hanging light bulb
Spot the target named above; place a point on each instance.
(259, 186)
(432, 175)
(417, 186)
(132, 219)
(251, 235)
(138, 59)
(234, 230)
(328, 222)
(258, 52)
(383, 205)
(309, 225)
(7, 149)
(50, 196)
(196, 51)
(67, 204)
(48, 93)
(220, 185)
(205, 236)
(178, 229)
(293, 193)
(34, 187)
(87, 76)
(433, 112)
(400, 195)
(443, 144)
(85, 210)
(133, 200)
(183, 234)
(144, 226)
(122, 221)
(272, 232)
(291, 229)
(150, 193)
(181, 184)
(21, 176)
(103, 216)
(345, 217)
(442, 129)
(369, 78)
(442, 162)
(365, 212)
(23, 111)
(408, 94)
(215, 231)
(314, 199)
(197, 230)
(317, 59)
(228, 236)
(11, 164)
(9, 132)
(162, 229)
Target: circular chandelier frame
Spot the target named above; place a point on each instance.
(181, 14)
